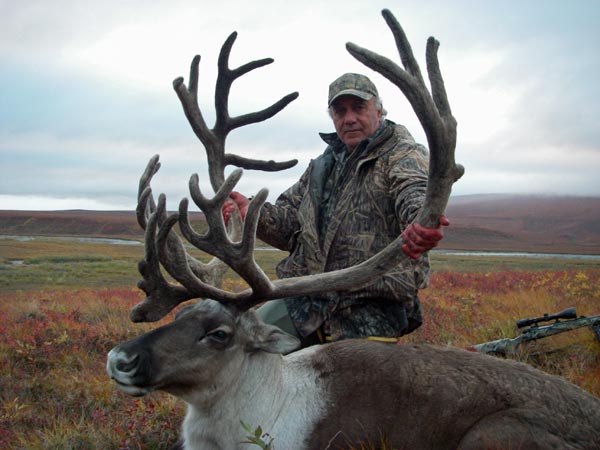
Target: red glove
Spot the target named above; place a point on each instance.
(237, 201)
(418, 239)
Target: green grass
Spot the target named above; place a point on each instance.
(49, 262)
(52, 263)
(68, 259)
(459, 263)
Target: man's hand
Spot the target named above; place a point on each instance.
(229, 206)
(418, 239)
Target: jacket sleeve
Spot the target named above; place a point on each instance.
(409, 183)
(279, 222)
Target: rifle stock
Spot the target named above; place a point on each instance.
(509, 346)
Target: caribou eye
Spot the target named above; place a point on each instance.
(218, 335)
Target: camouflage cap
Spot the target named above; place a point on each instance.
(352, 84)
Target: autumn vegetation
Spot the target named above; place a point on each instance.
(63, 305)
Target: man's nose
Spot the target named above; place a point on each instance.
(350, 117)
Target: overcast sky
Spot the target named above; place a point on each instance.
(86, 92)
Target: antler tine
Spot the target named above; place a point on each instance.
(175, 261)
(251, 221)
(224, 123)
(212, 207)
(432, 110)
(145, 207)
(216, 242)
(255, 164)
(259, 116)
(225, 79)
(214, 140)
(188, 96)
(403, 45)
(438, 90)
(162, 247)
(146, 204)
(161, 296)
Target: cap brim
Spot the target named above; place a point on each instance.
(354, 92)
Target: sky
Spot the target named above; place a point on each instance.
(86, 96)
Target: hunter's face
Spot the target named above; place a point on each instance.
(354, 119)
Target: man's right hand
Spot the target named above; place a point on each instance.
(236, 200)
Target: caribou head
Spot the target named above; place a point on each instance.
(207, 345)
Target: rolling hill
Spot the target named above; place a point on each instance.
(545, 224)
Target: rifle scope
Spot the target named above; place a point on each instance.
(568, 313)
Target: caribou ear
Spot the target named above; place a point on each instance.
(272, 339)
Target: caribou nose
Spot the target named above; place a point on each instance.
(128, 371)
(127, 365)
(122, 366)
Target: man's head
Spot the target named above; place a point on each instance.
(355, 108)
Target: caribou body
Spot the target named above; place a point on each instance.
(228, 367)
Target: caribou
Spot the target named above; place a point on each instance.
(229, 366)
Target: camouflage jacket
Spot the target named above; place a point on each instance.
(341, 212)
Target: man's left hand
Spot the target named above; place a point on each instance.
(418, 239)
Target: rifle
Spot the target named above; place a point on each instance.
(565, 320)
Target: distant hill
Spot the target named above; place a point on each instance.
(546, 224)
(101, 224)
(116, 224)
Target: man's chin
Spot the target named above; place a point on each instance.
(353, 140)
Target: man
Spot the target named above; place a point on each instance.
(353, 200)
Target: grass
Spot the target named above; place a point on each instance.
(54, 389)
(457, 263)
(67, 305)
(50, 263)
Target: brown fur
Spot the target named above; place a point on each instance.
(422, 397)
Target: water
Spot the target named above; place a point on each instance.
(439, 252)
(518, 255)
(73, 239)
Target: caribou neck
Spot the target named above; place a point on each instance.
(277, 393)
(253, 396)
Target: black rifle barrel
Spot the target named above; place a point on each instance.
(568, 313)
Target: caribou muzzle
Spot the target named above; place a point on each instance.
(130, 369)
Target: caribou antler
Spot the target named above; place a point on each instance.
(214, 140)
(440, 127)
(432, 110)
(166, 248)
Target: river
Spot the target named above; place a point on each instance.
(73, 239)
(517, 255)
(437, 251)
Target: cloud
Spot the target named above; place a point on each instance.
(87, 97)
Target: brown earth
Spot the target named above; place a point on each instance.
(545, 224)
